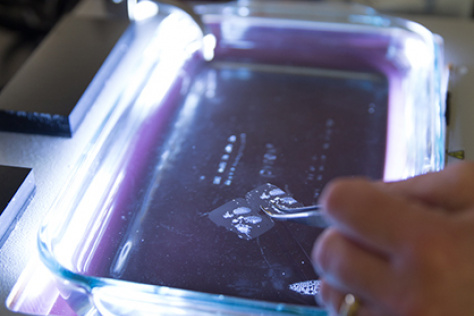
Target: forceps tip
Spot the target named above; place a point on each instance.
(308, 215)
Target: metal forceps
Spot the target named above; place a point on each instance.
(307, 215)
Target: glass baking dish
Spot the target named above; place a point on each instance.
(298, 93)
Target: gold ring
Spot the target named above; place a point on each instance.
(350, 305)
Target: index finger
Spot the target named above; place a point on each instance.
(372, 217)
(450, 189)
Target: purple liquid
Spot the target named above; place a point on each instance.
(244, 121)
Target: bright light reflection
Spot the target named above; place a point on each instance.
(127, 301)
(244, 11)
(417, 53)
(208, 46)
(144, 10)
(35, 291)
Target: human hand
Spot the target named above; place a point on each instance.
(403, 248)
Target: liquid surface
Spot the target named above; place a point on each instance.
(237, 127)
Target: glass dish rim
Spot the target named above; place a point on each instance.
(370, 19)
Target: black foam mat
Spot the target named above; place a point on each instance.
(52, 92)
